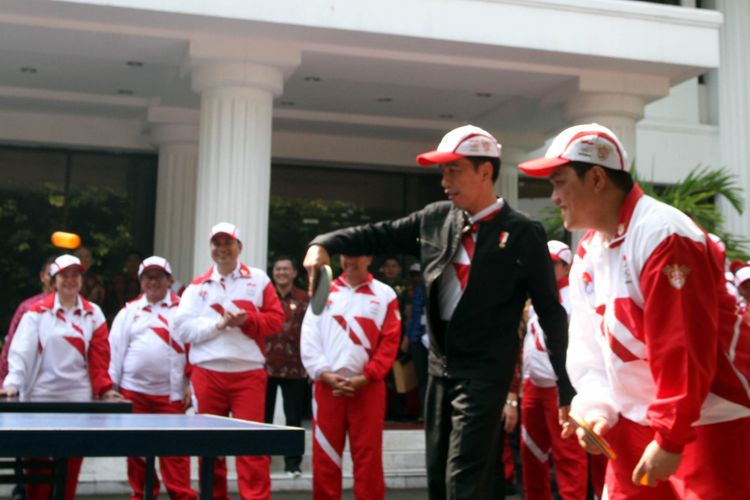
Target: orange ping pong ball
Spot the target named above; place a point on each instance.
(61, 239)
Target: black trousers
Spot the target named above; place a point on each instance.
(419, 355)
(463, 430)
(295, 395)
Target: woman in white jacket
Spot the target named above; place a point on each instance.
(60, 353)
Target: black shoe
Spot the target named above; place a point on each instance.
(19, 493)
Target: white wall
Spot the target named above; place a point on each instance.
(671, 140)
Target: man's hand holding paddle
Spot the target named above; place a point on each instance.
(656, 463)
(590, 434)
(317, 263)
(315, 258)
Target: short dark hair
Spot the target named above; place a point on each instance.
(619, 178)
(284, 257)
(495, 162)
(392, 257)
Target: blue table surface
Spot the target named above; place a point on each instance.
(124, 421)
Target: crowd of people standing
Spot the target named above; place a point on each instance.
(640, 336)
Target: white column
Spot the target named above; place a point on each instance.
(507, 182)
(234, 164)
(175, 132)
(734, 105)
(618, 112)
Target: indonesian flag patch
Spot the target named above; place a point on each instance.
(676, 274)
(502, 240)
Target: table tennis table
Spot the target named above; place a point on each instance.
(65, 435)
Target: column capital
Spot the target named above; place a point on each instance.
(620, 112)
(169, 125)
(647, 87)
(588, 104)
(242, 63)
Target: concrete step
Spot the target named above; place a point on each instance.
(402, 449)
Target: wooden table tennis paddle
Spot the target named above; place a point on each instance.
(594, 438)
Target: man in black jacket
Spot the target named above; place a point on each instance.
(480, 261)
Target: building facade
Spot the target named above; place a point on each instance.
(335, 98)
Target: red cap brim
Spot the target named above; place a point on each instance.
(80, 267)
(158, 268)
(434, 157)
(541, 167)
(224, 233)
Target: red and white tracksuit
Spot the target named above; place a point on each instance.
(358, 333)
(540, 427)
(60, 354)
(148, 364)
(656, 348)
(227, 375)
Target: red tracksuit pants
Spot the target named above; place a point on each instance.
(43, 491)
(362, 416)
(540, 435)
(714, 466)
(175, 471)
(241, 395)
(597, 471)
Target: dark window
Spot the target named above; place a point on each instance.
(107, 199)
(310, 200)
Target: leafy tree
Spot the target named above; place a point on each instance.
(294, 222)
(100, 215)
(696, 195)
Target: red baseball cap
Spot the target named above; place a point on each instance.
(590, 143)
(154, 262)
(559, 251)
(741, 275)
(226, 228)
(460, 143)
(64, 262)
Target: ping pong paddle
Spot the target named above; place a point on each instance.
(594, 438)
(321, 287)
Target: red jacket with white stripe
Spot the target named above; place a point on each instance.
(536, 365)
(60, 354)
(203, 304)
(145, 356)
(357, 333)
(653, 326)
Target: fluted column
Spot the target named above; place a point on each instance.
(507, 182)
(734, 105)
(175, 132)
(618, 112)
(234, 163)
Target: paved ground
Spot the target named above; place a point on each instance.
(348, 495)
(390, 495)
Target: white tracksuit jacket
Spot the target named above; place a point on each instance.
(60, 354)
(203, 304)
(653, 328)
(357, 333)
(536, 365)
(145, 356)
